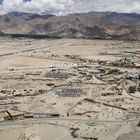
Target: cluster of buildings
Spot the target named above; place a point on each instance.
(125, 62)
(71, 92)
(6, 115)
(67, 65)
(57, 75)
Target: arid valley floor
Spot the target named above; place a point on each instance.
(65, 89)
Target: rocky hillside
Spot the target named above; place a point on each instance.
(102, 25)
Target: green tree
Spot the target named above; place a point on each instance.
(132, 89)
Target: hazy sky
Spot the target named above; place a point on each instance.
(62, 7)
(1, 1)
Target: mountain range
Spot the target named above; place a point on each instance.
(99, 25)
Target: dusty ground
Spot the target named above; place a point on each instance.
(131, 136)
(25, 88)
(35, 132)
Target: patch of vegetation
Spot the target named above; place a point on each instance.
(102, 71)
(139, 77)
(113, 71)
(8, 118)
(132, 89)
(138, 87)
(32, 36)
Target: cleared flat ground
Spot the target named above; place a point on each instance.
(35, 132)
(131, 136)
